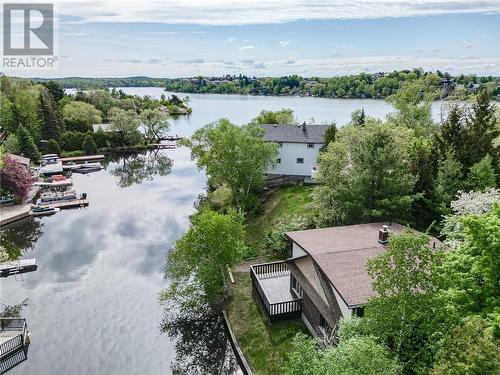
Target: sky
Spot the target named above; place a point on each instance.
(182, 38)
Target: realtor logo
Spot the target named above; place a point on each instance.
(28, 29)
(28, 36)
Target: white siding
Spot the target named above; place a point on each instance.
(297, 251)
(346, 312)
(288, 155)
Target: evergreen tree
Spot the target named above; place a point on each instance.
(482, 131)
(53, 147)
(482, 175)
(88, 145)
(27, 145)
(52, 123)
(449, 179)
(451, 135)
(330, 135)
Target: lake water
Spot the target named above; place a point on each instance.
(92, 305)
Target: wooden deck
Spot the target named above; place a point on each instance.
(271, 282)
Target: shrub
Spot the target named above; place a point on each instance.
(15, 178)
(53, 147)
(88, 145)
(276, 239)
(11, 144)
(101, 139)
(72, 141)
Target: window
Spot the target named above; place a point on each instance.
(300, 160)
(278, 161)
(280, 145)
(310, 145)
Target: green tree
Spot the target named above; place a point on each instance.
(88, 145)
(26, 102)
(482, 174)
(304, 357)
(360, 356)
(124, 122)
(72, 141)
(79, 116)
(470, 274)
(27, 145)
(330, 136)
(482, 131)
(233, 156)
(366, 175)
(406, 315)
(55, 88)
(470, 348)
(451, 136)
(155, 124)
(53, 147)
(412, 103)
(358, 117)
(449, 180)
(198, 266)
(283, 116)
(101, 138)
(51, 120)
(7, 114)
(11, 144)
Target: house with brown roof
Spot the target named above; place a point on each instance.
(325, 277)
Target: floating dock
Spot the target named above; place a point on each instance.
(76, 203)
(82, 158)
(10, 214)
(17, 266)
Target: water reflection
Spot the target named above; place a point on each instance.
(201, 344)
(136, 168)
(21, 237)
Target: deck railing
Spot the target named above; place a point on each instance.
(16, 342)
(279, 310)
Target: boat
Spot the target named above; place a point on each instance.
(86, 169)
(74, 166)
(39, 210)
(60, 183)
(58, 196)
(50, 159)
(6, 200)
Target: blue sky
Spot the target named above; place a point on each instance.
(310, 38)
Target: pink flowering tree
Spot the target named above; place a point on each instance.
(14, 178)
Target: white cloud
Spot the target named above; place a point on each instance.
(283, 43)
(467, 44)
(247, 48)
(230, 40)
(239, 12)
(74, 34)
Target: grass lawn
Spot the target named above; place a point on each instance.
(265, 346)
(287, 201)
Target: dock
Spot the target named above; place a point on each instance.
(82, 158)
(76, 203)
(10, 214)
(15, 267)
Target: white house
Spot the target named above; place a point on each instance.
(298, 147)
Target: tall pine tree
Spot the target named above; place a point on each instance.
(27, 145)
(52, 122)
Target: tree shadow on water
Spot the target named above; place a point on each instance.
(201, 344)
(139, 167)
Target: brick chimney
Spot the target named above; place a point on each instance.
(383, 234)
(304, 128)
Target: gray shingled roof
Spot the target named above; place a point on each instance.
(343, 252)
(288, 133)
